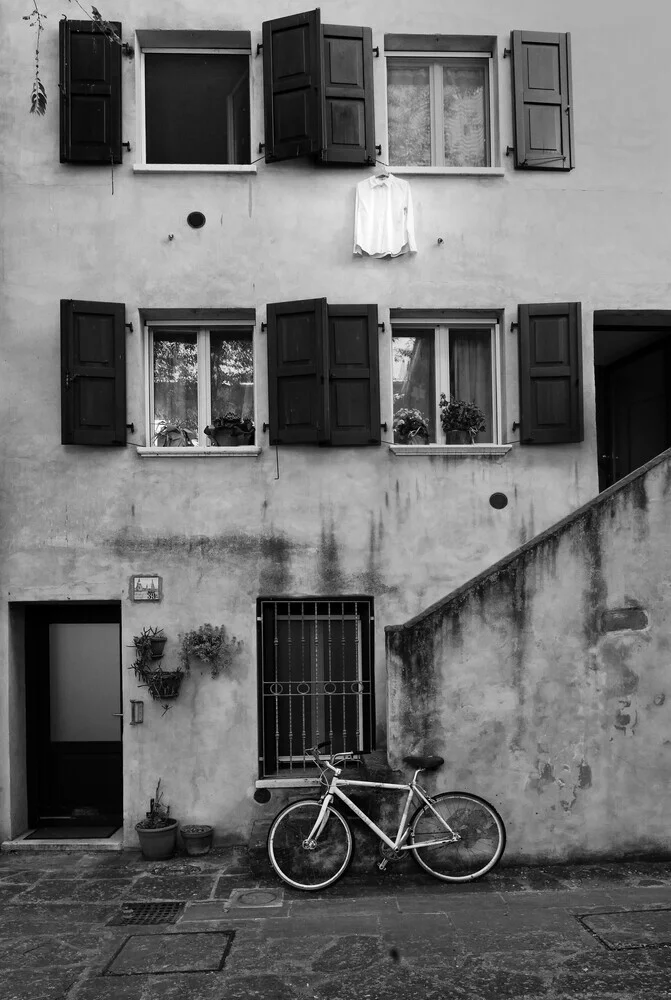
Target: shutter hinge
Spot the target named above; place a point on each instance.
(264, 327)
(128, 50)
(258, 48)
(129, 327)
(265, 427)
(380, 327)
(384, 426)
(262, 146)
(127, 145)
(376, 50)
(509, 150)
(131, 428)
(507, 53)
(515, 425)
(514, 326)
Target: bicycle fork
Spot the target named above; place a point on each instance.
(310, 842)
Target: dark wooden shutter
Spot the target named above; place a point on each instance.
(543, 112)
(550, 348)
(293, 86)
(296, 384)
(349, 123)
(93, 371)
(354, 392)
(90, 85)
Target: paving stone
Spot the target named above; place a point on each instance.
(199, 951)
(9, 892)
(84, 891)
(19, 876)
(633, 929)
(51, 951)
(172, 887)
(51, 985)
(212, 910)
(320, 909)
(40, 918)
(352, 952)
(263, 987)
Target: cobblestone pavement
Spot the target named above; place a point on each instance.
(72, 926)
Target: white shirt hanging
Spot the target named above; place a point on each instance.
(383, 220)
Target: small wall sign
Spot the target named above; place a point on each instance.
(146, 588)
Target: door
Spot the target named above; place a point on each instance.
(73, 674)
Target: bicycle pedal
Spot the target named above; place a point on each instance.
(383, 864)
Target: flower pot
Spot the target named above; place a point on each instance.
(164, 685)
(157, 647)
(159, 842)
(457, 437)
(197, 839)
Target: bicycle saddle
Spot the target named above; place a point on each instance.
(425, 763)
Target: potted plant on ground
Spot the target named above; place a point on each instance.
(230, 431)
(460, 420)
(157, 831)
(162, 684)
(197, 838)
(410, 427)
(209, 645)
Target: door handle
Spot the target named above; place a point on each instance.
(117, 715)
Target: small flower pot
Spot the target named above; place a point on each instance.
(197, 839)
(157, 647)
(457, 437)
(157, 843)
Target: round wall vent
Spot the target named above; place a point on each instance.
(196, 220)
(498, 500)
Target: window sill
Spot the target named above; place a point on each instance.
(244, 451)
(288, 782)
(450, 171)
(194, 168)
(455, 450)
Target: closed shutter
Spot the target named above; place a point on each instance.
(550, 349)
(293, 86)
(297, 400)
(543, 112)
(90, 99)
(354, 394)
(348, 95)
(93, 370)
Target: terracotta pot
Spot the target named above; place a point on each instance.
(457, 437)
(157, 647)
(164, 685)
(159, 843)
(197, 839)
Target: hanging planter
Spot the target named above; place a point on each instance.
(162, 684)
(210, 646)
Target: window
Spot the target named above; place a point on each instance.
(195, 102)
(200, 374)
(440, 103)
(458, 358)
(316, 683)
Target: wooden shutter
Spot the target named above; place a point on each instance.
(354, 393)
(93, 370)
(292, 86)
(90, 85)
(296, 385)
(550, 350)
(543, 112)
(349, 124)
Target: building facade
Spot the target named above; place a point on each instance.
(204, 381)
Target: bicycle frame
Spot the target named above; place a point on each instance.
(414, 790)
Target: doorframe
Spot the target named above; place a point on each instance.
(37, 617)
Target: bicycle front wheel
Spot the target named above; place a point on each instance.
(313, 867)
(482, 836)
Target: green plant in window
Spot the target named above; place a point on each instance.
(173, 435)
(210, 645)
(410, 427)
(458, 415)
(231, 429)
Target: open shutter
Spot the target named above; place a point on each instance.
(550, 348)
(93, 370)
(543, 112)
(292, 86)
(354, 391)
(296, 390)
(90, 85)
(348, 95)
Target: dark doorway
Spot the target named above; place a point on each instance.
(632, 358)
(73, 698)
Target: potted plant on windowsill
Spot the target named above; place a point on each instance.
(230, 431)
(157, 831)
(410, 427)
(461, 421)
(172, 435)
(210, 645)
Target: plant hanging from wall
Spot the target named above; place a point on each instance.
(211, 646)
(162, 684)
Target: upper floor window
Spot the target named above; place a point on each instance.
(440, 101)
(458, 359)
(202, 376)
(195, 100)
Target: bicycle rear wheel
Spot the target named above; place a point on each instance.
(309, 868)
(482, 837)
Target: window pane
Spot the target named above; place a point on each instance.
(409, 112)
(471, 373)
(232, 375)
(176, 382)
(413, 373)
(465, 114)
(196, 107)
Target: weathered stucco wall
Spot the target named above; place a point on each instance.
(543, 693)
(77, 522)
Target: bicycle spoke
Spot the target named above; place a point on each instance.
(480, 831)
(326, 857)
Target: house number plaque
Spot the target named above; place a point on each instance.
(146, 588)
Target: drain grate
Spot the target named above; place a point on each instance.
(146, 913)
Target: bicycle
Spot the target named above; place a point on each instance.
(455, 836)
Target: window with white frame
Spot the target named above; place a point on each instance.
(441, 107)
(201, 376)
(194, 101)
(458, 359)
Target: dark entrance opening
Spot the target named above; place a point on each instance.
(632, 359)
(73, 723)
